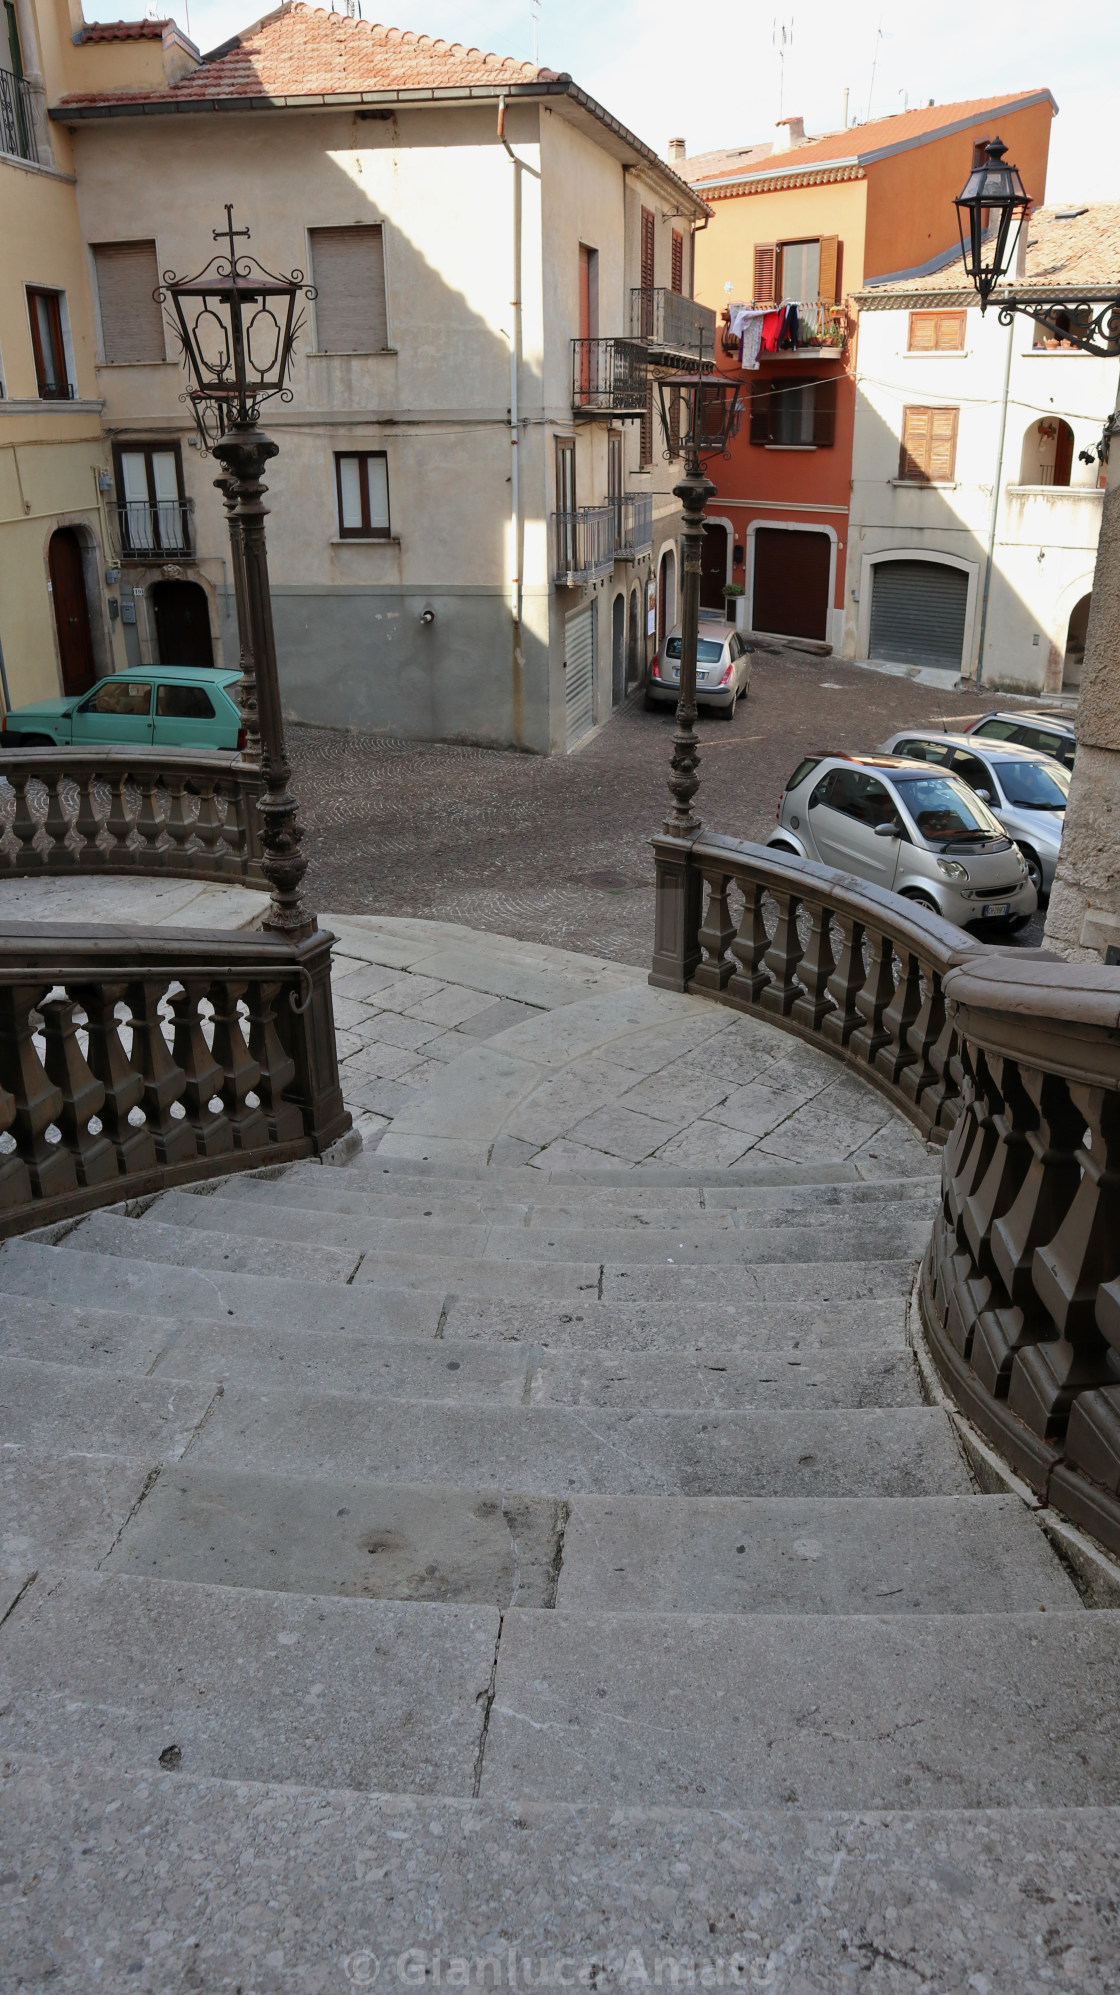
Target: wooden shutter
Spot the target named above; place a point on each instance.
(923, 332)
(936, 332)
(913, 457)
(648, 243)
(828, 282)
(760, 412)
(765, 262)
(348, 270)
(131, 320)
(950, 332)
(678, 261)
(824, 415)
(943, 443)
(645, 450)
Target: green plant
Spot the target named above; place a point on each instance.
(734, 589)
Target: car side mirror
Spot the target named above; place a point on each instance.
(888, 830)
(985, 797)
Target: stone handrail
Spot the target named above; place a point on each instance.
(1011, 1059)
(135, 1059)
(141, 810)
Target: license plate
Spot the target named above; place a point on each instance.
(994, 908)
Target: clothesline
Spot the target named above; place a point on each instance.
(775, 329)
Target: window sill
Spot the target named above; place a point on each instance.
(355, 353)
(33, 405)
(1056, 491)
(937, 353)
(791, 446)
(365, 540)
(924, 484)
(104, 366)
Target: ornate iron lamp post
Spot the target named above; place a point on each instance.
(700, 414)
(237, 326)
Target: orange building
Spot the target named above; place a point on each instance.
(806, 223)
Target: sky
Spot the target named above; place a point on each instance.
(657, 66)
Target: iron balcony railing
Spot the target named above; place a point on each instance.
(610, 377)
(634, 524)
(162, 528)
(585, 544)
(17, 117)
(670, 324)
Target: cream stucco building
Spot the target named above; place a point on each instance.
(974, 518)
(471, 509)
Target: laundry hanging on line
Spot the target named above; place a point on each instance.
(746, 327)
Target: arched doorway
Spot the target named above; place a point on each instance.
(71, 611)
(714, 567)
(634, 653)
(666, 595)
(182, 617)
(1075, 645)
(618, 651)
(1047, 453)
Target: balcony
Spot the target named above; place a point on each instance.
(17, 117)
(154, 531)
(674, 330)
(822, 332)
(586, 544)
(610, 377)
(633, 524)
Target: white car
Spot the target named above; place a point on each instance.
(1025, 790)
(723, 667)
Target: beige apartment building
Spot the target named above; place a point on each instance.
(472, 526)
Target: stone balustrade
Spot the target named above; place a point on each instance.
(1010, 1058)
(134, 1060)
(120, 810)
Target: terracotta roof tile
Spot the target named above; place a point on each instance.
(1074, 242)
(302, 51)
(124, 31)
(858, 142)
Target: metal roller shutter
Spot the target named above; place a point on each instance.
(917, 614)
(579, 673)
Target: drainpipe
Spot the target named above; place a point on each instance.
(515, 430)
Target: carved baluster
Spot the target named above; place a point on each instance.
(1010, 1160)
(87, 823)
(123, 1084)
(57, 822)
(1068, 1273)
(749, 947)
(25, 824)
(277, 1068)
(873, 999)
(95, 1160)
(717, 932)
(164, 1082)
(240, 1072)
(118, 824)
(212, 1132)
(178, 824)
(38, 1103)
(816, 968)
(15, 1184)
(208, 823)
(845, 983)
(149, 821)
(1053, 1138)
(229, 796)
(921, 1082)
(968, 1156)
(783, 956)
(897, 1055)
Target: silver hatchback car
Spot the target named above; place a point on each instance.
(1026, 790)
(906, 826)
(723, 667)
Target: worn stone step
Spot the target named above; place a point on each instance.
(904, 1451)
(700, 1243)
(810, 1711)
(759, 1171)
(78, 1410)
(344, 1535)
(865, 1555)
(62, 1509)
(190, 1246)
(824, 1902)
(245, 1684)
(858, 1310)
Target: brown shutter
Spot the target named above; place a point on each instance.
(348, 271)
(943, 443)
(913, 457)
(824, 415)
(645, 447)
(760, 412)
(678, 261)
(131, 320)
(828, 283)
(923, 332)
(950, 332)
(648, 241)
(765, 259)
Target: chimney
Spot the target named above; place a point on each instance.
(790, 132)
(677, 153)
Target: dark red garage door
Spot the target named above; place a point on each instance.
(791, 582)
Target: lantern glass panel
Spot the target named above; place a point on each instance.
(263, 340)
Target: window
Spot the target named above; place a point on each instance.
(936, 332)
(941, 807)
(184, 703)
(856, 794)
(362, 477)
(131, 320)
(1032, 786)
(614, 464)
(51, 372)
(800, 272)
(348, 269)
(923, 751)
(151, 507)
(790, 414)
(709, 650)
(566, 537)
(678, 261)
(649, 240)
(588, 292)
(800, 269)
(121, 696)
(929, 446)
(972, 771)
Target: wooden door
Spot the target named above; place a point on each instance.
(713, 567)
(791, 582)
(71, 612)
(182, 624)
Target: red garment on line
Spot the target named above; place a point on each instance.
(771, 330)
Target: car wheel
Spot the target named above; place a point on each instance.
(729, 712)
(921, 900)
(30, 741)
(779, 845)
(1034, 871)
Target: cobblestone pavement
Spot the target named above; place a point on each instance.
(557, 849)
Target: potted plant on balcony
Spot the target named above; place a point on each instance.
(735, 599)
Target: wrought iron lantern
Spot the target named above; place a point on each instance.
(236, 324)
(700, 413)
(991, 209)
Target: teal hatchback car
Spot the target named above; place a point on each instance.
(156, 706)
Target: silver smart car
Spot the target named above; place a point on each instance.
(723, 667)
(1026, 790)
(906, 826)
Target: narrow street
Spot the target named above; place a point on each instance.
(557, 850)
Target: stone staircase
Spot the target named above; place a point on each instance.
(411, 1562)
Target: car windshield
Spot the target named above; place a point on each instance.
(942, 807)
(708, 651)
(1033, 786)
